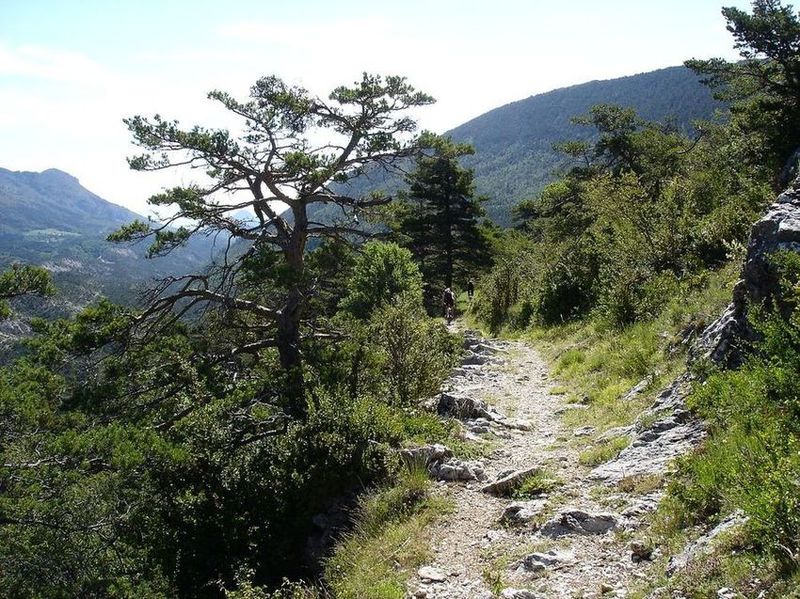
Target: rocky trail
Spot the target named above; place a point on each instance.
(528, 519)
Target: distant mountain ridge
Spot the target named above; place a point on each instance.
(514, 156)
(50, 219)
(55, 200)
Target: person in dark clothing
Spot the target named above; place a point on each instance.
(449, 301)
(470, 289)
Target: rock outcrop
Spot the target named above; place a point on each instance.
(705, 543)
(671, 430)
(725, 340)
(507, 483)
(521, 513)
(574, 521)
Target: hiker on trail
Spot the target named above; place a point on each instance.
(470, 289)
(449, 301)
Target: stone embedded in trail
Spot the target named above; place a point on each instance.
(574, 521)
(523, 512)
(462, 407)
(537, 563)
(430, 574)
(584, 431)
(472, 338)
(456, 470)
(642, 506)
(478, 426)
(518, 424)
(509, 483)
(475, 359)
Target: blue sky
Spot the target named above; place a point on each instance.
(71, 70)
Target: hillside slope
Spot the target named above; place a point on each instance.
(514, 156)
(49, 219)
(54, 200)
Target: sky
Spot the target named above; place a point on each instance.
(71, 70)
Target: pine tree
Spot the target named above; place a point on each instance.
(293, 149)
(20, 280)
(763, 87)
(440, 223)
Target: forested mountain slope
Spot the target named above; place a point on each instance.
(514, 156)
(49, 219)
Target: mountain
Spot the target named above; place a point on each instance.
(514, 157)
(50, 219)
(54, 201)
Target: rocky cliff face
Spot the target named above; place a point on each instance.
(670, 429)
(725, 340)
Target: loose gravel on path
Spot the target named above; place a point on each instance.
(572, 541)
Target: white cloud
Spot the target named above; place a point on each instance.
(39, 62)
(61, 107)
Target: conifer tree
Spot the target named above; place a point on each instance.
(294, 147)
(440, 222)
(763, 87)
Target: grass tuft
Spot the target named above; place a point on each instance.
(536, 484)
(603, 452)
(389, 541)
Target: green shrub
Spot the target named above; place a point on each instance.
(383, 273)
(566, 289)
(417, 352)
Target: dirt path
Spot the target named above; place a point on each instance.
(572, 540)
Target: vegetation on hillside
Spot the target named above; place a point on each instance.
(156, 472)
(618, 263)
(514, 156)
(751, 462)
(50, 220)
(643, 213)
(184, 447)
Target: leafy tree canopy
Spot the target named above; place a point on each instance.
(293, 148)
(22, 280)
(764, 86)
